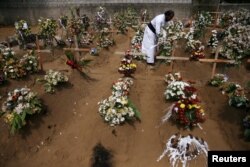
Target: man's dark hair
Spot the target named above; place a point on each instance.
(169, 15)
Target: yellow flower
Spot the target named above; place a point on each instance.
(202, 111)
(190, 106)
(196, 106)
(9, 118)
(182, 105)
(124, 101)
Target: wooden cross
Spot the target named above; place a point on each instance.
(38, 51)
(214, 61)
(77, 49)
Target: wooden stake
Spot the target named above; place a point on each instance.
(77, 49)
(216, 58)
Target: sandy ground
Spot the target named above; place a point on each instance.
(65, 135)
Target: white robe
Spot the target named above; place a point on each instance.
(149, 38)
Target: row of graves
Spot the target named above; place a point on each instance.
(229, 44)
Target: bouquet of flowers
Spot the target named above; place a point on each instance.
(47, 29)
(122, 87)
(101, 19)
(137, 40)
(75, 26)
(218, 80)
(180, 90)
(168, 34)
(183, 149)
(131, 17)
(105, 41)
(236, 43)
(234, 17)
(198, 54)
(29, 62)
(7, 55)
(201, 22)
(19, 104)
(169, 78)
(186, 112)
(120, 22)
(86, 39)
(229, 88)
(118, 108)
(238, 99)
(52, 79)
(75, 64)
(22, 28)
(11, 67)
(127, 67)
(235, 92)
(213, 41)
(246, 125)
(14, 71)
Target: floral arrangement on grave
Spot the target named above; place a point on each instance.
(178, 89)
(127, 67)
(168, 34)
(120, 22)
(182, 149)
(213, 41)
(11, 67)
(19, 104)
(118, 109)
(47, 29)
(86, 39)
(186, 111)
(195, 47)
(22, 31)
(236, 44)
(101, 19)
(29, 62)
(236, 94)
(202, 20)
(136, 41)
(218, 80)
(105, 40)
(131, 17)
(230, 17)
(22, 28)
(75, 26)
(79, 65)
(52, 79)
(198, 54)
(246, 125)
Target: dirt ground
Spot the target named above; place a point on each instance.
(66, 133)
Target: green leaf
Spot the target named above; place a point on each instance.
(85, 63)
(137, 113)
(70, 55)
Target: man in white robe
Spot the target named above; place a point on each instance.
(151, 33)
